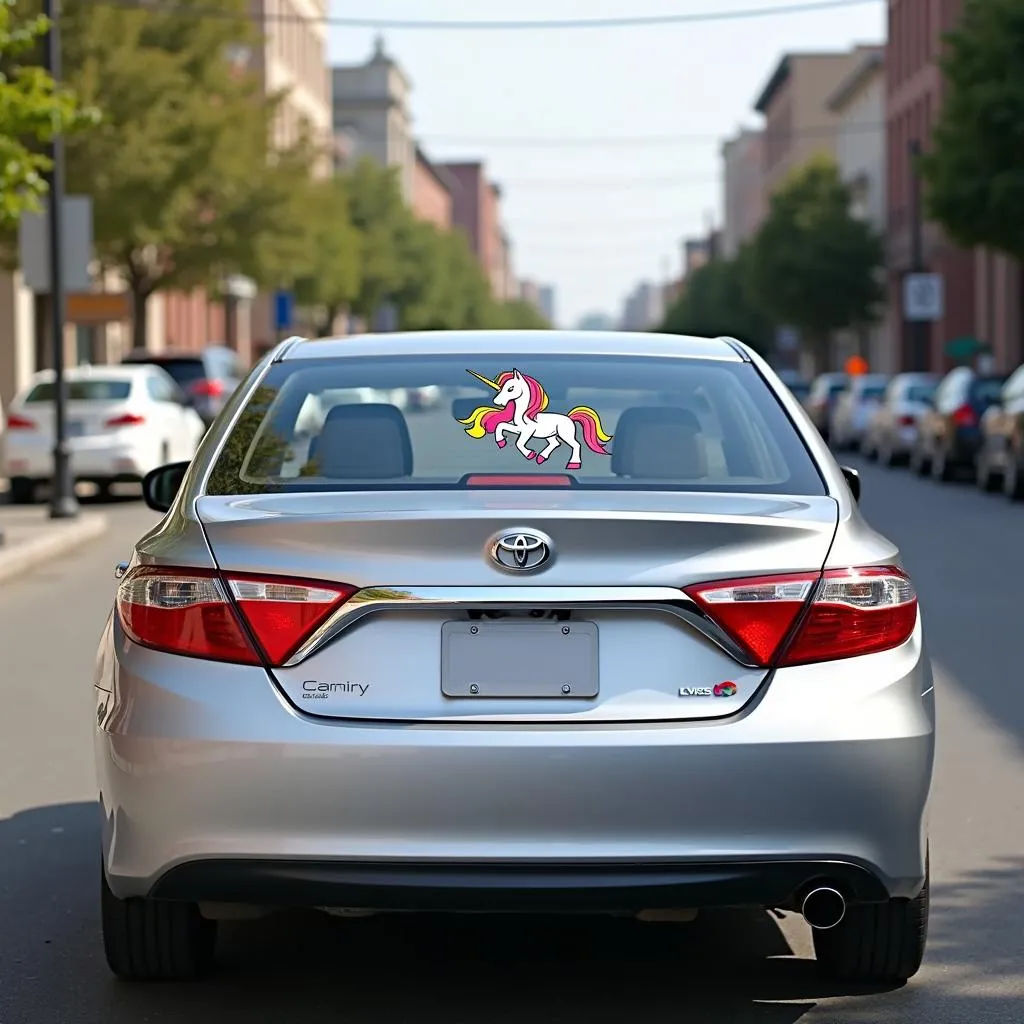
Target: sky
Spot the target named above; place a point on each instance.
(595, 219)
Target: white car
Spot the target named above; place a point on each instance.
(122, 422)
(854, 408)
(892, 432)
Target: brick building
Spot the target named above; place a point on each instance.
(982, 289)
(476, 210)
(432, 192)
(743, 189)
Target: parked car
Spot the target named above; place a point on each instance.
(122, 421)
(853, 409)
(892, 429)
(796, 382)
(825, 389)
(208, 377)
(671, 667)
(949, 435)
(1000, 459)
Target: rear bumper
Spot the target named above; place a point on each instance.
(212, 785)
(536, 888)
(96, 462)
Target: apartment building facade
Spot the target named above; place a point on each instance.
(798, 124)
(743, 199)
(859, 103)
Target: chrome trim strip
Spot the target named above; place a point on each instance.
(373, 600)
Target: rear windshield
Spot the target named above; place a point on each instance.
(84, 391)
(987, 389)
(920, 392)
(597, 422)
(873, 393)
(184, 371)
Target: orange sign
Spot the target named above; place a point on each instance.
(98, 307)
(856, 365)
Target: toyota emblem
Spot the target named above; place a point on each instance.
(521, 551)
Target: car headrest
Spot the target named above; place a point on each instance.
(659, 443)
(363, 441)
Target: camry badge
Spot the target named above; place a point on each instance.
(522, 551)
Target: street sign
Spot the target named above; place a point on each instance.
(923, 297)
(284, 309)
(34, 246)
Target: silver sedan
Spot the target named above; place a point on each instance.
(609, 635)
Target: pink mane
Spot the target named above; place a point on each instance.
(490, 420)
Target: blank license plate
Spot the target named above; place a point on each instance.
(519, 659)
(76, 428)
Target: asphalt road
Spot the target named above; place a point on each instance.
(966, 551)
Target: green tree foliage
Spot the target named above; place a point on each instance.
(716, 301)
(333, 259)
(974, 174)
(32, 110)
(183, 193)
(813, 265)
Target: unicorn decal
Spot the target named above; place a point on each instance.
(519, 405)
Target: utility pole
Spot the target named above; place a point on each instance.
(919, 330)
(63, 503)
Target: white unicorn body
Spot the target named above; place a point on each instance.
(554, 427)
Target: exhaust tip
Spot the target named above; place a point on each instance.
(823, 908)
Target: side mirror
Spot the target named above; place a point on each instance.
(161, 485)
(852, 480)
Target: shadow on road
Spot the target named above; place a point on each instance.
(727, 968)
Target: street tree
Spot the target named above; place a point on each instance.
(32, 110)
(974, 173)
(331, 279)
(715, 301)
(379, 213)
(813, 265)
(183, 193)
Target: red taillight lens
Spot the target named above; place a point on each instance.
(196, 613)
(906, 421)
(964, 417)
(838, 614)
(16, 422)
(129, 419)
(207, 388)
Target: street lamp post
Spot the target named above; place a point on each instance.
(63, 504)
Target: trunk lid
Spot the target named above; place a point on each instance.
(84, 418)
(601, 614)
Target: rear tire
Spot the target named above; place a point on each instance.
(1013, 480)
(881, 943)
(154, 940)
(23, 491)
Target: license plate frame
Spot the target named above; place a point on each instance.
(520, 660)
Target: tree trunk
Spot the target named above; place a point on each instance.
(140, 314)
(325, 328)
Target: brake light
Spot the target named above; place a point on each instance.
(129, 419)
(237, 618)
(964, 417)
(906, 421)
(16, 422)
(811, 617)
(210, 388)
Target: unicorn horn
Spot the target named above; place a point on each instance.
(489, 383)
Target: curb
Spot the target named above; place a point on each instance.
(57, 541)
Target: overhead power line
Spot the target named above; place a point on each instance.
(620, 141)
(411, 25)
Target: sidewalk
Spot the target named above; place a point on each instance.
(31, 537)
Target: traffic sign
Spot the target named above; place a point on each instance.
(923, 297)
(284, 306)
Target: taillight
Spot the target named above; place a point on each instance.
(234, 618)
(810, 617)
(129, 419)
(906, 421)
(16, 422)
(965, 417)
(209, 388)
